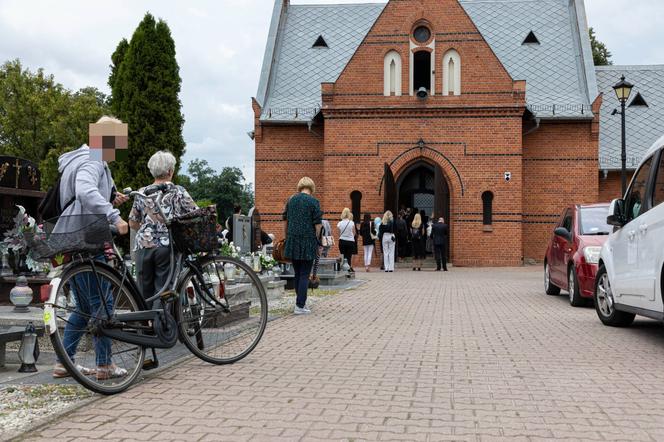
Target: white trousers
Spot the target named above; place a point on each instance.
(368, 252)
(388, 252)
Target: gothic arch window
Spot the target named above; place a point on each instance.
(487, 205)
(451, 73)
(422, 70)
(392, 77)
(356, 204)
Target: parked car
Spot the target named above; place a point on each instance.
(629, 280)
(573, 252)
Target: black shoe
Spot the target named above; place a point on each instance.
(438, 270)
(413, 269)
(419, 269)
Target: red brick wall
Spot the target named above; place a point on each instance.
(610, 187)
(284, 154)
(560, 168)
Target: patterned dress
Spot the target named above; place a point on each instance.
(303, 213)
(153, 232)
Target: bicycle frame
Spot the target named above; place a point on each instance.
(162, 322)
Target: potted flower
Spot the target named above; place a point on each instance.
(16, 245)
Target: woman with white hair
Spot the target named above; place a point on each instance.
(152, 241)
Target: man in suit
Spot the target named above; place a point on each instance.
(440, 233)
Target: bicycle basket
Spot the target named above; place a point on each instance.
(70, 234)
(196, 232)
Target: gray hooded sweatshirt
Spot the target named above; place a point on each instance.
(92, 184)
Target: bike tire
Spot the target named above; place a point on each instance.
(209, 332)
(127, 356)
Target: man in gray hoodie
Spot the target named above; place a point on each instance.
(88, 182)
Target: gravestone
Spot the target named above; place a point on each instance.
(256, 242)
(20, 182)
(242, 233)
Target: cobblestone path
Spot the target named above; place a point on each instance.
(472, 354)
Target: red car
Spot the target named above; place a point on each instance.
(573, 253)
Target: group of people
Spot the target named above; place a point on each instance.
(305, 229)
(397, 238)
(86, 182)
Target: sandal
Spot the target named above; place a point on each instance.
(59, 371)
(110, 372)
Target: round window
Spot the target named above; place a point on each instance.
(421, 34)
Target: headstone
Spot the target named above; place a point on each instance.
(256, 241)
(20, 181)
(242, 233)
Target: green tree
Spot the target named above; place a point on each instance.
(145, 83)
(37, 114)
(116, 86)
(601, 55)
(225, 188)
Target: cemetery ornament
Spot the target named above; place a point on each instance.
(21, 295)
(28, 353)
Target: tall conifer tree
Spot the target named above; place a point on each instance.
(145, 83)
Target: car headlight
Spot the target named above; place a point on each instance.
(592, 254)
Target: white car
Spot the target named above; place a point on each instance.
(629, 280)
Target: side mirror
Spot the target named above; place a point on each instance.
(616, 213)
(563, 233)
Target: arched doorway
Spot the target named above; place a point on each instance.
(422, 185)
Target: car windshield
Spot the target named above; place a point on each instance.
(593, 221)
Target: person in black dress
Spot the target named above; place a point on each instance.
(368, 234)
(418, 237)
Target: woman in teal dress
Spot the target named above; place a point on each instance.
(303, 225)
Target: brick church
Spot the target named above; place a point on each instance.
(487, 112)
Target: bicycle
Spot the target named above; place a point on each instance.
(215, 305)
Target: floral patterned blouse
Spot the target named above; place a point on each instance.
(153, 232)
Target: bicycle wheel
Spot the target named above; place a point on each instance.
(221, 319)
(79, 347)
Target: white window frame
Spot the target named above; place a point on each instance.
(456, 59)
(392, 56)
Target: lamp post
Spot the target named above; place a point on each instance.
(623, 90)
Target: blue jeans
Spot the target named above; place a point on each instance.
(85, 289)
(301, 281)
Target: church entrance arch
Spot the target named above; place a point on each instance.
(422, 185)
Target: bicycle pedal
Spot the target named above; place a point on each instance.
(168, 296)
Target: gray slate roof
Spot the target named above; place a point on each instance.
(644, 125)
(299, 69)
(559, 73)
(555, 69)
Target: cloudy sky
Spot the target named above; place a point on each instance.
(220, 45)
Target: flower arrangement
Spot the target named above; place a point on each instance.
(229, 249)
(268, 262)
(15, 239)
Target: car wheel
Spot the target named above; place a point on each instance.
(549, 287)
(573, 288)
(604, 303)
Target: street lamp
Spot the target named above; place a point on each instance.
(623, 90)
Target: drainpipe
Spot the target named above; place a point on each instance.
(311, 129)
(537, 125)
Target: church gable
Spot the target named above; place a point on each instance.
(423, 45)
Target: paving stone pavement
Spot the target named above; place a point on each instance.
(472, 354)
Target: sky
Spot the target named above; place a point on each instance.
(220, 46)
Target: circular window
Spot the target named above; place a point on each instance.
(422, 34)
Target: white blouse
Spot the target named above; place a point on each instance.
(346, 230)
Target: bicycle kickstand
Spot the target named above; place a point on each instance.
(151, 364)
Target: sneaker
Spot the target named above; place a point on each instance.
(59, 371)
(110, 372)
(301, 310)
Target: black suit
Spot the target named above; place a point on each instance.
(440, 233)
